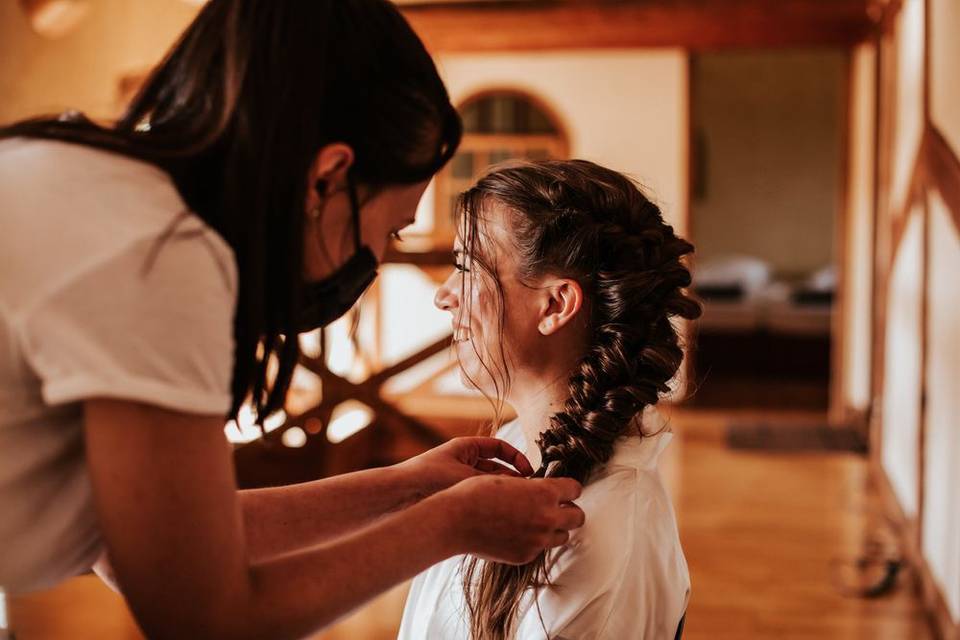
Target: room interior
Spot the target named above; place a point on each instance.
(808, 148)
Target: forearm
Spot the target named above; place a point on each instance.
(296, 594)
(279, 520)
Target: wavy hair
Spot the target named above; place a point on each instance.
(579, 220)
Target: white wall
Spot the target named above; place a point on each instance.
(901, 392)
(771, 123)
(941, 521)
(623, 109)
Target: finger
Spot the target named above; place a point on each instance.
(497, 448)
(558, 538)
(490, 466)
(570, 516)
(567, 489)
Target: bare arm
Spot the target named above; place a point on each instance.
(172, 521)
(283, 519)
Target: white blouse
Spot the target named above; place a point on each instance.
(621, 576)
(100, 297)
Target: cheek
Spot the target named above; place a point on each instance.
(484, 316)
(482, 313)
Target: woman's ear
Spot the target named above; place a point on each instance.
(563, 299)
(328, 173)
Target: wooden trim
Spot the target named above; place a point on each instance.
(688, 370)
(687, 214)
(938, 613)
(837, 399)
(494, 141)
(861, 62)
(876, 372)
(926, 61)
(915, 193)
(918, 176)
(884, 94)
(924, 342)
(511, 25)
(943, 171)
(886, 15)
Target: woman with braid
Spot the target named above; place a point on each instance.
(566, 282)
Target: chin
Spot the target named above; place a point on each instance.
(472, 373)
(465, 381)
(467, 378)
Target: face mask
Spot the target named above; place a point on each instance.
(324, 301)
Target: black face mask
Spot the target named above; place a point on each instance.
(324, 301)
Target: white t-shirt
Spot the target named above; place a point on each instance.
(622, 576)
(92, 306)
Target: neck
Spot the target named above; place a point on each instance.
(534, 404)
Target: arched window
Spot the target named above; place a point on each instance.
(499, 125)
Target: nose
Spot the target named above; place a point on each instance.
(446, 296)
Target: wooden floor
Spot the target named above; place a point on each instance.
(764, 535)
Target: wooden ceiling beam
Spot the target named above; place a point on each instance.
(511, 25)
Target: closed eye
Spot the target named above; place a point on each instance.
(457, 261)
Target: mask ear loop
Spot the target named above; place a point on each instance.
(355, 213)
(354, 209)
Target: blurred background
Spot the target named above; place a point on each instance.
(808, 148)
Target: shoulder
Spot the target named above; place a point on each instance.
(610, 504)
(623, 574)
(70, 210)
(53, 169)
(630, 526)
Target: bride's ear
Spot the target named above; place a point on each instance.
(562, 301)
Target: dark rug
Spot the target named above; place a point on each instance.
(764, 436)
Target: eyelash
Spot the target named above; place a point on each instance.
(460, 267)
(396, 236)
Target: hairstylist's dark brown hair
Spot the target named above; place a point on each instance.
(579, 220)
(237, 112)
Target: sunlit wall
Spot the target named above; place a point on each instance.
(624, 109)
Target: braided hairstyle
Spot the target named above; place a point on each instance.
(578, 220)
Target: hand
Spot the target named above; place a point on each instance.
(462, 458)
(512, 520)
